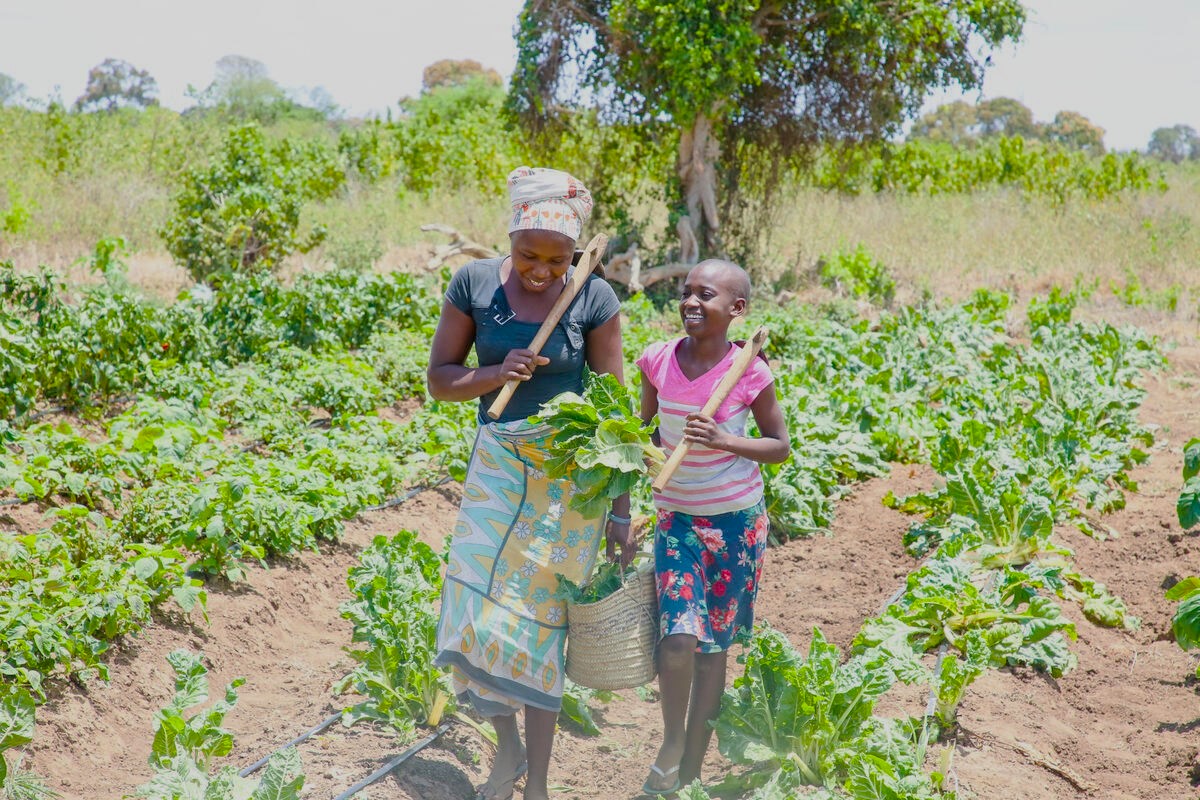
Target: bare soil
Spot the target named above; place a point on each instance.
(1122, 725)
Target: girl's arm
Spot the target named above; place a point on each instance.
(771, 446)
(448, 379)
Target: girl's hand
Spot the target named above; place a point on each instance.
(519, 363)
(702, 430)
(619, 533)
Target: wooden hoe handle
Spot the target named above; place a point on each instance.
(741, 362)
(587, 261)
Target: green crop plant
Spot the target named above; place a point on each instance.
(184, 746)
(396, 587)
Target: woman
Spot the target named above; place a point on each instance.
(501, 630)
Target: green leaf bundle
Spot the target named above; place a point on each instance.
(599, 443)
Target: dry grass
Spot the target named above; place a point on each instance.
(950, 245)
(1144, 247)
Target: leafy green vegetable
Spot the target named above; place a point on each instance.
(811, 716)
(396, 587)
(599, 443)
(1185, 624)
(576, 706)
(604, 580)
(184, 747)
(16, 723)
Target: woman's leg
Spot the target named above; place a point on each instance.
(707, 686)
(676, 659)
(510, 755)
(539, 735)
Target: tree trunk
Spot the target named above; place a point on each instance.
(698, 151)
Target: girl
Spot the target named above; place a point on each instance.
(712, 524)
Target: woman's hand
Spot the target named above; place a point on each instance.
(700, 429)
(619, 533)
(519, 364)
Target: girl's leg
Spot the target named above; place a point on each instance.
(707, 687)
(539, 735)
(676, 658)
(510, 756)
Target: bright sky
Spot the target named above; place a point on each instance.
(1129, 66)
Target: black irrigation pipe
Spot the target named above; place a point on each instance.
(332, 718)
(410, 494)
(391, 765)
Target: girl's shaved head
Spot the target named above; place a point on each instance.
(728, 274)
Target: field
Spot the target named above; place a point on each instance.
(1121, 725)
(989, 396)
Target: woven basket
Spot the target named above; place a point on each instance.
(610, 643)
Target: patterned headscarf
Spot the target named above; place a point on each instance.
(548, 199)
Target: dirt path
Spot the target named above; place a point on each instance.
(1122, 725)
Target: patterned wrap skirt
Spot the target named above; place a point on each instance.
(501, 631)
(707, 570)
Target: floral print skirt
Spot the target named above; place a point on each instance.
(707, 570)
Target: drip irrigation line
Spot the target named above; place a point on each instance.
(411, 493)
(44, 412)
(391, 765)
(332, 718)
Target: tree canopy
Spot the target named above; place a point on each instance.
(114, 84)
(11, 90)
(745, 83)
(959, 122)
(243, 90)
(455, 72)
(1072, 129)
(1176, 144)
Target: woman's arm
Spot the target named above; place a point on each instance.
(448, 379)
(771, 446)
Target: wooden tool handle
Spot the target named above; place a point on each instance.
(741, 362)
(587, 261)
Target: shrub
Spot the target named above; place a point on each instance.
(241, 212)
(859, 275)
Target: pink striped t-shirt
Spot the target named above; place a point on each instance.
(708, 481)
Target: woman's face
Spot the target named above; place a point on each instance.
(540, 257)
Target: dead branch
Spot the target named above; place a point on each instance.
(1043, 761)
(626, 268)
(459, 246)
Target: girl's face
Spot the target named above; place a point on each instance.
(707, 303)
(540, 258)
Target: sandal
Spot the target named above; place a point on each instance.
(481, 789)
(663, 774)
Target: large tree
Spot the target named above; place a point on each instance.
(1004, 116)
(114, 84)
(242, 89)
(956, 123)
(11, 90)
(748, 88)
(456, 72)
(1074, 130)
(1175, 144)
